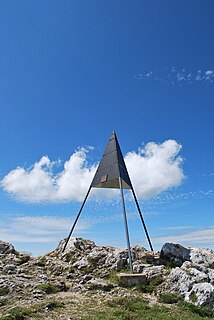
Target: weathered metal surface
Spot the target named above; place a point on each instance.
(111, 167)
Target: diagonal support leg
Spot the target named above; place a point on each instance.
(126, 226)
(75, 222)
(142, 220)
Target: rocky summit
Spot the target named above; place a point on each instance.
(83, 282)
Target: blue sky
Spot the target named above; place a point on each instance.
(70, 73)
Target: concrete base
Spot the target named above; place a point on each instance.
(130, 279)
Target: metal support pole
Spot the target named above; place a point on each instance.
(141, 217)
(126, 226)
(75, 222)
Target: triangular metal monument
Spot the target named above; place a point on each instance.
(112, 173)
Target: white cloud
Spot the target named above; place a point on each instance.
(174, 76)
(178, 228)
(194, 238)
(153, 169)
(31, 229)
(38, 183)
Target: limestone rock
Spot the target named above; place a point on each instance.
(10, 268)
(194, 283)
(210, 273)
(80, 264)
(154, 271)
(201, 294)
(179, 281)
(202, 256)
(174, 253)
(6, 248)
(75, 243)
(84, 266)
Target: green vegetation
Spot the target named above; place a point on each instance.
(97, 286)
(113, 275)
(201, 311)
(85, 270)
(24, 258)
(3, 302)
(17, 313)
(48, 288)
(4, 291)
(123, 308)
(54, 305)
(35, 311)
(151, 285)
(136, 308)
(193, 297)
(69, 257)
(41, 262)
(92, 261)
(168, 297)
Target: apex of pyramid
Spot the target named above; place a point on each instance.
(111, 167)
(113, 135)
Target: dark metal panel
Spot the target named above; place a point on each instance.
(113, 166)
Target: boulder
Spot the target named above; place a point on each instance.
(6, 248)
(117, 260)
(82, 263)
(201, 294)
(154, 271)
(179, 281)
(210, 273)
(202, 257)
(10, 268)
(175, 254)
(74, 244)
(193, 282)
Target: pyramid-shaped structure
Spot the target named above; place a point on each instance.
(111, 167)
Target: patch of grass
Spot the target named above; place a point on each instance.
(193, 297)
(24, 258)
(113, 277)
(17, 254)
(4, 291)
(211, 266)
(54, 304)
(168, 297)
(97, 286)
(48, 288)
(134, 308)
(130, 304)
(85, 270)
(69, 257)
(92, 261)
(3, 302)
(71, 269)
(125, 270)
(201, 311)
(169, 264)
(41, 262)
(17, 313)
(151, 285)
(35, 311)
